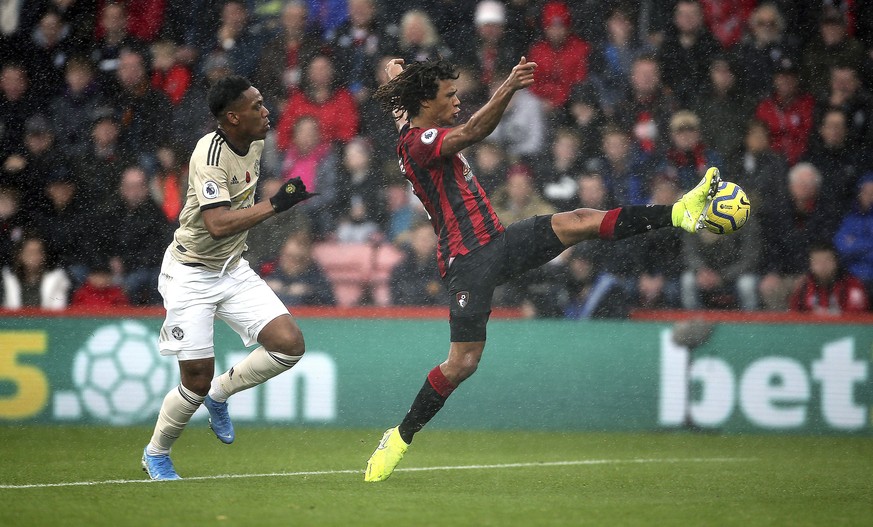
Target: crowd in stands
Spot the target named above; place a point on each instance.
(101, 103)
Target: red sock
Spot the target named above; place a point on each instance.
(440, 383)
(607, 226)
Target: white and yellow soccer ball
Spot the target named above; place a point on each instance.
(729, 209)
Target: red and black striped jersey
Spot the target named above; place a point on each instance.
(459, 210)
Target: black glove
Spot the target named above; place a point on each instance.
(290, 193)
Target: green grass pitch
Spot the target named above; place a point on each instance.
(303, 476)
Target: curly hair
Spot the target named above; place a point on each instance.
(418, 82)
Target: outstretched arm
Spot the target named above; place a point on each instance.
(486, 119)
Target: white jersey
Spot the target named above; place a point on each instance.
(218, 176)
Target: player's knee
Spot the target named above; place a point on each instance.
(465, 366)
(290, 342)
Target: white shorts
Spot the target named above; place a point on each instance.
(194, 296)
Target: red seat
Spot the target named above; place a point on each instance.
(355, 268)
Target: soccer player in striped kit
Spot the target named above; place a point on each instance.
(475, 252)
(204, 275)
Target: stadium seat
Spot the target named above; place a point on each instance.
(358, 272)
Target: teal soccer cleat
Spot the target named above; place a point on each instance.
(159, 468)
(219, 420)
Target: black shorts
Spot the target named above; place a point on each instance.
(472, 278)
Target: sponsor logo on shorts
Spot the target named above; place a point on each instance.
(210, 189)
(177, 332)
(428, 136)
(462, 298)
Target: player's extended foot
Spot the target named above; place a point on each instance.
(219, 420)
(689, 211)
(159, 468)
(389, 452)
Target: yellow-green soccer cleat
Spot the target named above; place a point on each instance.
(389, 452)
(689, 211)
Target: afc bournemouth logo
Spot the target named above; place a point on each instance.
(210, 190)
(178, 334)
(462, 298)
(428, 136)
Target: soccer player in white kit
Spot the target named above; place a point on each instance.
(204, 276)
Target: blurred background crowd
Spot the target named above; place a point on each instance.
(101, 103)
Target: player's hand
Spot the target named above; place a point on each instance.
(522, 74)
(290, 193)
(393, 68)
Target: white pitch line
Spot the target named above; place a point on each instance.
(408, 469)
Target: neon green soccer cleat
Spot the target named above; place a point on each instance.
(389, 452)
(689, 211)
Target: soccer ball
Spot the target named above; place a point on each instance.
(120, 376)
(728, 211)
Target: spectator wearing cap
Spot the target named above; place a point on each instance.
(518, 198)
(561, 57)
(99, 289)
(762, 49)
(493, 50)
(688, 156)
(787, 112)
(854, 238)
(723, 108)
(686, 52)
(831, 46)
(71, 111)
(66, 223)
(29, 171)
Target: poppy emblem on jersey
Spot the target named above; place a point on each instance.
(210, 189)
(463, 298)
(428, 136)
(248, 177)
(178, 334)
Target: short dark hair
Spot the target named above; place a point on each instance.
(418, 82)
(225, 92)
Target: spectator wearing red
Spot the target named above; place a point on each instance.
(727, 20)
(787, 113)
(562, 57)
(334, 108)
(144, 18)
(99, 290)
(827, 288)
(168, 75)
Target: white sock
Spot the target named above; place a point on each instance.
(178, 407)
(253, 370)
